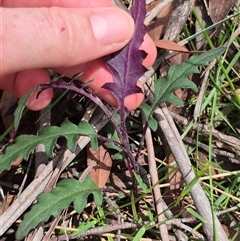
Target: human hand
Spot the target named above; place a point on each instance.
(68, 38)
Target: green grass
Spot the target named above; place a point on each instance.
(219, 110)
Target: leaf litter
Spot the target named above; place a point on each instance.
(126, 76)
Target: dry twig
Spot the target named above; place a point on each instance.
(156, 190)
(178, 150)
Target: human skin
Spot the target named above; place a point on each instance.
(67, 36)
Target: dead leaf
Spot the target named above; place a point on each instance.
(100, 173)
(175, 178)
(218, 9)
(170, 45)
(231, 233)
(4, 205)
(159, 24)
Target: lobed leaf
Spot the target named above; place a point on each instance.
(24, 144)
(178, 78)
(51, 204)
(126, 64)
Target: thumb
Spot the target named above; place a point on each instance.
(57, 37)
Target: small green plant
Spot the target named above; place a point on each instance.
(126, 67)
(24, 144)
(68, 191)
(177, 78)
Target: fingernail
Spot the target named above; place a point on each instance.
(112, 26)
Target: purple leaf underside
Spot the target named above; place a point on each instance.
(126, 64)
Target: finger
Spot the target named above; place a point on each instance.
(25, 81)
(149, 47)
(21, 83)
(17, 83)
(95, 74)
(50, 3)
(100, 74)
(54, 37)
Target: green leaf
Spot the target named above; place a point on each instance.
(51, 204)
(84, 226)
(139, 234)
(20, 108)
(24, 144)
(149, 213)
(178, 78)
(188, 188)
(141, 184)
(94, 142)
(153, 124)
(147, 110)
(196, 215)
(113, 136)
(134, 209)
